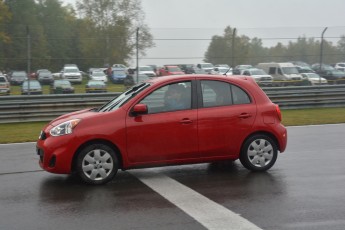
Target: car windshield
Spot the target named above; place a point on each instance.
(341, 64)
(123, 98)
(207, 65)
(258, 72)
(119, 71)
(45, 73)
(2, 79)
(33, 84)
(96, 83)
(174, 69)
(338, 73)
(98, 74)
(71, 70)
(62, 83)
(290, 70)
(145, 68)
(19, 75)
(222, 70)
(313, 75)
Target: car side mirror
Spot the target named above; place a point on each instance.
(139, 109)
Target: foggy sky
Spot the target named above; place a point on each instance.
(271, 20)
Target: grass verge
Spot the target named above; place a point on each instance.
(28, 132)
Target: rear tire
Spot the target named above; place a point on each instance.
(97, 164)
(259, 153)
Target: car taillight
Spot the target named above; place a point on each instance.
(278, 112)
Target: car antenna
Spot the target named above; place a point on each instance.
(226, 72)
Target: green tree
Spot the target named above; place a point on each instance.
(5, 16)
(24, 22)
(232, 49)
(114, 24)
(341, 47)
(60, 29)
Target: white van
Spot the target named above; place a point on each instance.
(285, 71)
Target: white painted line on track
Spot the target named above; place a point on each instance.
(207, 212)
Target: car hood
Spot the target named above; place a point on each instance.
(74, 115)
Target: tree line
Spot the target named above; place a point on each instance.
(95, 34)
(98, 33)
(233, 50)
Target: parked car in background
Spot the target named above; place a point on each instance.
(222, 65)
(132, 80)
(121, 66)
(260, 76)
(45, 77)
(31, 87)
(170, 70)
(5, 88)
(230, 118)
(314, 79)
(61, 86)
(147, 70)
(207, 67)
(221, 71)
(304, 69)
(328, 72)
(238, 70)
(154, 68)
(98, 75)
(95, 86)
(118, 75)
(184, 67)
(18, 77)
(195, 70)
(340, 66)
(72, 73)
(38, 71)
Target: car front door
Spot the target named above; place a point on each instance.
(163, 134)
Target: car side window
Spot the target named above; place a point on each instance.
(217, 93)
(246, 73)
(280, 71)
(272, 70)
(172, 97)
(239, 96)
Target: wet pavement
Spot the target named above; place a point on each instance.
(304, 190)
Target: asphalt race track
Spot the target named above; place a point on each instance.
(305, 190)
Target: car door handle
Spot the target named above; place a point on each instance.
(244, 115)
(186, 121)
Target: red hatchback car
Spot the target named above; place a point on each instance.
(167, 121)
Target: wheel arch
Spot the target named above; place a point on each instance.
(272, 136)
(97, 141)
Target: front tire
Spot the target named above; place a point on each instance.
(97, 164)
(259, 153)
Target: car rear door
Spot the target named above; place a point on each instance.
(225, 116)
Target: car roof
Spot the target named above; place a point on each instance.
(199, 77)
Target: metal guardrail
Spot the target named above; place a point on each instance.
(47, 107)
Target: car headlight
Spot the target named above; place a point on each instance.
(64, 128)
